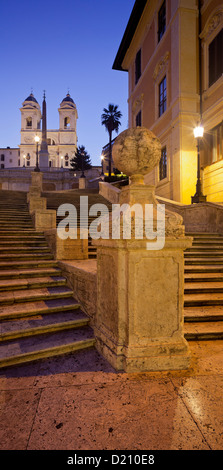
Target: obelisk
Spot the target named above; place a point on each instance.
(44, 154)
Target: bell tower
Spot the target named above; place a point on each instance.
(30, 118)
(68, 121)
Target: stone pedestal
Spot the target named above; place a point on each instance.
(37, 203)
(35, 189)
(44, 219)
(82, 183)
(139, 322)
(67, 249)
(43, 160)
(140, 277)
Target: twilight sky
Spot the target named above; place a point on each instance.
(54, 45)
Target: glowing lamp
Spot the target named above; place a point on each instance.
(198, 131)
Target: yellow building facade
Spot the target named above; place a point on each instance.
(160, 52)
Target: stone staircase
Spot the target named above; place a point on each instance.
(39, 316)
(54, 200)
(203, 293)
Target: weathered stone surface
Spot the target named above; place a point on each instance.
(68, 249)
(82, 183)
(136, 151)
(37, 202)
(139, 322)
(44, 219)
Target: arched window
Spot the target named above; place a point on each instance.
(66, 158)
(66, 122)
(28, 122)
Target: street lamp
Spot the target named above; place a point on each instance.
(61, 158)
(198, 197)
(102, 161)
(37, 139)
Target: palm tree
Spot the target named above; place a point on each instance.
(110, 119)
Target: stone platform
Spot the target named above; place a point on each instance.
(79, 402)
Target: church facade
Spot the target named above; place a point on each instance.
(61, 143)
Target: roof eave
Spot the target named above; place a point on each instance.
(128, 34)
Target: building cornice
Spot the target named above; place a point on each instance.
(134, 19)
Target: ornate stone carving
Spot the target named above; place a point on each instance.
(161, 64)
(136, 151)
(212, 23)
(138, 102)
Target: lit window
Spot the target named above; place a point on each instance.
(216, 143)
(138, 66)
(161, 21)
(139, 119)
(163, 164)
(162, 96)
(216, 58)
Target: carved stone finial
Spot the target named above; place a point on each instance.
(136, 152)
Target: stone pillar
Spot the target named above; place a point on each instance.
(139, 321)
(36, 187)
(68, 249)
(82, 183)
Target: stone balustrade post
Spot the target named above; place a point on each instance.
(139, 320)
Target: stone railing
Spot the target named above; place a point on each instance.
(203, 217)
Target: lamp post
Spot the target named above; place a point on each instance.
(37, 139)
(61, 158)
(198, 197)
(102, 161)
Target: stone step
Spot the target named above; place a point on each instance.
(16, 224)
(203, 261)
(4, 243)
(205, 242)
(38, 263)
(29, 310)
(203, 234)
(32, 295)
(203, 331)
(203, 254)
(204, 313)
(203, 287)
(203, 277)
(24, 256)
(203, 248)
(15, 218)
(200, 299)
(46, 327)
(31, 283)
(24, 249)
(45, 353)
(29, 273)
(203, 269)
(17, 230)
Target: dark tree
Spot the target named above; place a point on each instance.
(81, 160)
(111, 120)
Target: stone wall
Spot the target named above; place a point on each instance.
(82, 279)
